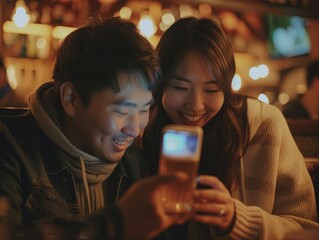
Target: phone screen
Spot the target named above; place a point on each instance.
(179, 144)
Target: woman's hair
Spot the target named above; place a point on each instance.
(226, 135)
(91, 56)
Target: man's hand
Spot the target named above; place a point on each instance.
(143, 213)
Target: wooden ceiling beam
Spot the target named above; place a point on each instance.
(260, 7)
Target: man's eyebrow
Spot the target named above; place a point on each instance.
(180, 78)
(127, 103)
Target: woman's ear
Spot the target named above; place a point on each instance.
(69, 98)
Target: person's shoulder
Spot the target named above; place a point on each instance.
(263, 111)
(264, 117)
(19, 122)
(15, 117)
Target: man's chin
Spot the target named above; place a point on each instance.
(113, 159)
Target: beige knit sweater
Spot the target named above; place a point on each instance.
(275, 194)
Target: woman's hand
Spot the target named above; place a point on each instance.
(214, 206)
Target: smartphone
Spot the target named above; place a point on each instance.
(180, 151)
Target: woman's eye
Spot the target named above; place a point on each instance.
(144, 111)
(180, 88)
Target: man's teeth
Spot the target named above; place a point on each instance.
(192, 118)
(119, 142)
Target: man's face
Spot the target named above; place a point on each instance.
(108, 125)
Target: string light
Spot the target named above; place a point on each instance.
(20, 14)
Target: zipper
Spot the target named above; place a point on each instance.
(118, 189)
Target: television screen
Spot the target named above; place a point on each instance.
(288, 36)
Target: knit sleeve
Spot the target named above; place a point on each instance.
(279, 194)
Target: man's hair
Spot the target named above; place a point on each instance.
(91, 56)
(312, 72)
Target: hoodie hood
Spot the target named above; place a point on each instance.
(89, 171)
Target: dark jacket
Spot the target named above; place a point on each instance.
(34, 180)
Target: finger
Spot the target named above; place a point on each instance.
(210, 195)
(160, 180)
(212, 182)
(208, 208)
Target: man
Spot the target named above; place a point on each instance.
(66, 157)
(307, 106)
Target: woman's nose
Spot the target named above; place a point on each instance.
(195, 101)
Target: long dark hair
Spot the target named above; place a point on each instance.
(227, 134)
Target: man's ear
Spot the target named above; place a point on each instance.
(69, 98)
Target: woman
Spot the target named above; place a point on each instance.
(259, 184)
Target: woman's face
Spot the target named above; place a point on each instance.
(192, 96)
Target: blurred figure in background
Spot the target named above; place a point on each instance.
(306, 106)
(8, 97)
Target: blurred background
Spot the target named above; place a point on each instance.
(274, 40)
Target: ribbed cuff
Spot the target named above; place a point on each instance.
(248, 222)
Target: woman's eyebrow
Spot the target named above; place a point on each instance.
(181, 78)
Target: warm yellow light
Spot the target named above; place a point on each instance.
(185, 10)
(147, 26)
(263, 70)
(60, 32)
(163, 26)
(31, 29)
(20, 14)
(168, 18)
(12, 79)
(205, 10)
(253, 73)
(283, 98)
(41, 43)
(236, 82)
(301, 88)
(125, 12)
(263, 97)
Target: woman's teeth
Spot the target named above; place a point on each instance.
(192, 118)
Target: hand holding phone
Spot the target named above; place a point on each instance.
(181, 149)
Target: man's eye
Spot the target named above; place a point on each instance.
(120, 113)
(180, 88)
(212, 91)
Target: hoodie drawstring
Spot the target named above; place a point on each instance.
(86, 185)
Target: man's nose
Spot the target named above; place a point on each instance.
(132, 128)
